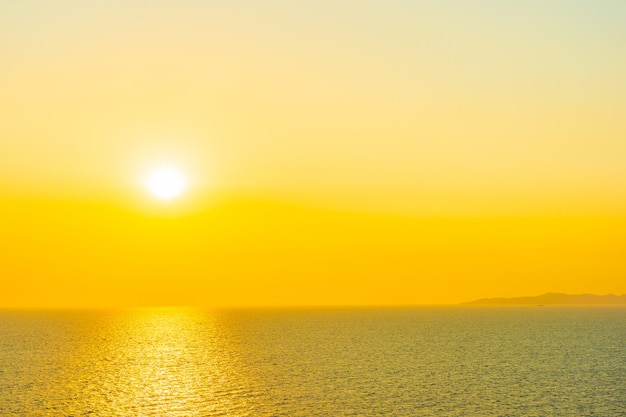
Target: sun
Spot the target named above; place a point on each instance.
(166, 183)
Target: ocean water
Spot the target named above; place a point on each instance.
(466, 361)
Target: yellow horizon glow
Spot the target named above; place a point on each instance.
(262, 253)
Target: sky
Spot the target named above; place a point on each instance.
(335, 152)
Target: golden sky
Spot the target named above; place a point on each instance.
(335, 152)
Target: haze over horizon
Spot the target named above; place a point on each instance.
(552, 298)
(275, 153)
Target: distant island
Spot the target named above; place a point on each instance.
(552, 298)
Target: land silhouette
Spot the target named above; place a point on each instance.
(552, 298)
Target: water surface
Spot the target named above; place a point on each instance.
(483, 361)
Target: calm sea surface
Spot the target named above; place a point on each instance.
(532, 361)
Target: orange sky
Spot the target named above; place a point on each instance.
(336, 152)
(82, 254)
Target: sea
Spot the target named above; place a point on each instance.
(423, 361)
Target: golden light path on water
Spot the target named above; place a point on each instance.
(162, 362)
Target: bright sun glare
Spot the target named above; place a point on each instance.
(166, 183)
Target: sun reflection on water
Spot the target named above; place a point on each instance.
(164, 362)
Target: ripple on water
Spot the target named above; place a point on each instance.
(359, 362)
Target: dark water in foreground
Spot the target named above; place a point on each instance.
(363, 362)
